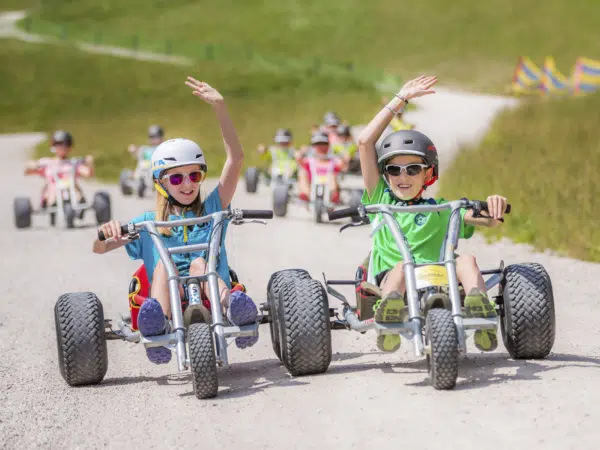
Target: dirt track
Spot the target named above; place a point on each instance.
(365, 399)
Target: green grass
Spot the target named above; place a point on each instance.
(544, 158)
(108, 102)
(471, 42)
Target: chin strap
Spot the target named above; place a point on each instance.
(184, 208)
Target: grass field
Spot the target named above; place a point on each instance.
(259, 53)
(469, 42)
(544, 158)
(109, 102)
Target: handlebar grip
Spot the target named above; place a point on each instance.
(342, 213)
(484, 207)
(257, 213)
(124, 231)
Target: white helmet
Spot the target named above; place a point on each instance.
(176, 153)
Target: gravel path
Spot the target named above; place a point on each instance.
(366, 399)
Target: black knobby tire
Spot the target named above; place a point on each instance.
(202, 360)
(69, 213)
(276, 282)
(281, 195)
(80, 338)
(22, 210)
(319, 207)
(102, 207)
(124, 180)
(251, 177)
(442, 361)
(528, 323)
(304, 327)
(141, 188)
(52, 219)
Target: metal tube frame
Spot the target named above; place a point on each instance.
(175, 340)
(413, 328)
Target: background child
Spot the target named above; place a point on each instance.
(62, 144)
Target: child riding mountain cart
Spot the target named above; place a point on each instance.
(198, 332)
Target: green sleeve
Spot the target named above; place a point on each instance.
(377, 195)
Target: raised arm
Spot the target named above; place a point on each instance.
(368, 138)
(235, 154)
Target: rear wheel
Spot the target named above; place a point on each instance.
(23, 210)
(528, 321)
(276, 282)
(80, 338)
(125, 182)
(251, 177)
(304, 327)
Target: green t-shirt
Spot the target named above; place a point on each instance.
(345, 148)
(424, 232)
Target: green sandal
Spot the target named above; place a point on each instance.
(391, 309)
(478, 305)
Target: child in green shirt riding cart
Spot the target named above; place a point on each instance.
(346, 149)
(399, 172)
(281, 157)
(156, 136)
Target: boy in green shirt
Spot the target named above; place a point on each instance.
(398, 172)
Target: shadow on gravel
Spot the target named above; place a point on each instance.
(476, 372)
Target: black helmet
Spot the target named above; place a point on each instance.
(409, 142)
(62, 137)
(343, 130)
(331, 119)
(283, 136)
(155, 131)
(319, 138)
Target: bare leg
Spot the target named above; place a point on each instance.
(393, 281)
(468, 273)
(303, 183)
(160, 288)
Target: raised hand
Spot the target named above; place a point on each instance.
(205, 91)
(418, 87)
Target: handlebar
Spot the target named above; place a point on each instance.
(131, 227)
(343, 213)
(124, 232)
(257, 214)
(476, 205)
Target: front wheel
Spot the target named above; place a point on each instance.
(202, 361)
(319, 207)
(141, 188)
(69, 213)
(442, 359)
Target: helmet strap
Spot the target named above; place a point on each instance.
(172, 200)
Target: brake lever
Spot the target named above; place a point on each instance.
(243, 221)
(364, 219)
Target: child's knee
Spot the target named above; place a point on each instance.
(198, 266)
(466, 261)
